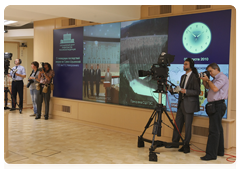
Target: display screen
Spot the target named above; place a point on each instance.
(141, 43)
(67, 62)
(101, 63)
(203, 37)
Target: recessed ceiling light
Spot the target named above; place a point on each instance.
(7, 22)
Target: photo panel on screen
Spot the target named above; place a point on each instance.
(141, 44)
(101, 83)
(101, 44)
(101, 53)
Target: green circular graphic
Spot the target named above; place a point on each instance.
(196, 37)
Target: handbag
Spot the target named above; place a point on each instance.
(45, 88)
(52, 86)
(210, 108)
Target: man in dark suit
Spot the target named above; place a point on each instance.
(86, 79)
(92, 77)
(188, 103)
(98, 79)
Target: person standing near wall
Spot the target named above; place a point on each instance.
(188, 103)
(216, 108)
(17, 83)
(33, 91)
(45, 77)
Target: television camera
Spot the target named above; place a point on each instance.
(159, 72)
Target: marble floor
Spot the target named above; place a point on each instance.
(62, 142)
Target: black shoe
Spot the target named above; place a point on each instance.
(220, 154)
(37, 117)
(172, 146)
(46, 118)
(12, 109)
(186, 149)
(206, 158)
(181, 149)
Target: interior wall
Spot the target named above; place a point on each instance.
(12, 47)
(28, 63)
(131, 119)
(43, 41)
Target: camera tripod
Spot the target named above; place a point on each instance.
(6, 91)
(157, 116)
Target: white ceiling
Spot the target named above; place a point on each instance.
(94, 13)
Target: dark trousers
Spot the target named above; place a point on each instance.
(182, 117)
(46, 97)
(17, 87)
(91, 87)
(215, 143)
(97, 88)
(86, 89)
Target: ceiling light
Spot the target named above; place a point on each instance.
(7, 22)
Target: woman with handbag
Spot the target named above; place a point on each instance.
(45, 77)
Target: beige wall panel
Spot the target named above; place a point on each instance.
(28, 67)
(43, 40)
(177, 9)
(12, 47)
(234, 137)
(57, 108)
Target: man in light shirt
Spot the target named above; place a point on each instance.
(17, 83)
(217, 94)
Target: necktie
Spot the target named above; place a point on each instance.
(182, 84)
(183, 80)
(14, 76)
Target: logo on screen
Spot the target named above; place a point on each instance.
(67, 39)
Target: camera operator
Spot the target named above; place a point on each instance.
(188, 103)
(17, 83)
(216, 107)
(32, 85)
(45, 78)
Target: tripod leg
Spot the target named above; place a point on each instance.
(13, 99)
(149, 122)
(157, 123)
(6, 97)
(140, 138)
(152, 155)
